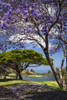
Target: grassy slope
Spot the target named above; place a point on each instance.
(15, 82)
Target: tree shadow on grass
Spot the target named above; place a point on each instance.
(31, 92)
(41, 92)
(50, 95)
(7, 94)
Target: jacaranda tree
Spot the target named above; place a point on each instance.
(41, 21)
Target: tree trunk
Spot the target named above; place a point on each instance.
(61, 78)
(59, 81)
(66, 69)
(16, 76)
(20, 77)
(5, 77)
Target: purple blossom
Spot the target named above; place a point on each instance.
(10, 11)
(6, 22)
(59, 36)
(9, 18)
(34, 12)
(4, 18)
(60, 18)
(18, 11)
(25, 15)
(15, 20)
(25, 30)
(3, 26)
(34, 4)
(25, 11)
(45, 1)
(47, 16)
(65, 23)
(6, 15)
(3, 4)
(1, 10)
(29, 29)
(8, 5)
(35, 31)
(0, 16)
(26, 19)
(50, 21)
(44, 29)
(44, 33)
(27, 5)
(13, 1)
(39, 15)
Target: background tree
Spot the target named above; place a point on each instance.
(32, 70)
(3, 70)
(49, 71)
(3, 67)
(45, 22)
(19, 60)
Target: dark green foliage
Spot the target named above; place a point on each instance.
(63, 73)
(19, 60)
(29, 55)
(49, 71)
(32, 70)
(25, 55)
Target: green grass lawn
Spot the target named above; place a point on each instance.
(10, 82)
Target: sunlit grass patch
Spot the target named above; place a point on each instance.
(34, 75)
(13, 82)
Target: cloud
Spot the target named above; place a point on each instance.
(20, 38)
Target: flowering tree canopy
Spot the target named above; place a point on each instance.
(40, 18)
(41, 21)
